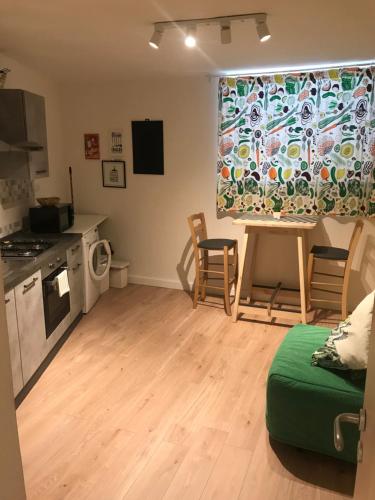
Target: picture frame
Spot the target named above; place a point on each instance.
(116, 144)
(114, 173)
(92, 146)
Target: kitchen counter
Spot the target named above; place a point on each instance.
(14, 272)
(83, 223)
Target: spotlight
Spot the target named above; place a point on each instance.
(190, 40)
(262, 29)
(225, 33)
(156, 38)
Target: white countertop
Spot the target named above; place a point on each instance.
(83, 223)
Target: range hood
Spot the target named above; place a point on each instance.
(22, 120)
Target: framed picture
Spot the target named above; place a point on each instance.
(116, 146)
(114, 173)
(92, 148)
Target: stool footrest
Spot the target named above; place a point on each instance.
(326, 291)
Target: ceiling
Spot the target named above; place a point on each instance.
(96, 40)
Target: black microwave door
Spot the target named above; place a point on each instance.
(64, 219)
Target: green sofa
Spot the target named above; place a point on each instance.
(303, 400)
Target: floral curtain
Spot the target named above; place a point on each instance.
(303, 143)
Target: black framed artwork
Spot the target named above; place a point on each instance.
(148, 147)
(114, 174)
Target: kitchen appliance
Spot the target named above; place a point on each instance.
(56, 308)
(23, 249)
(96, 265)
(55, 219)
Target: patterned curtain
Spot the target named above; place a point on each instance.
(303, 143)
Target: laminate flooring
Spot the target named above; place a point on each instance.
(149, 399)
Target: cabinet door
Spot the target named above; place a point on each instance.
(38, 164)
(14, 343)
(74, 254)
(35, 115)
(31, 328)
(76, 289)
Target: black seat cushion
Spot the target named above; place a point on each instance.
(330, 253)
(216, 244)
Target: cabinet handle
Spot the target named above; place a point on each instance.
(75, 268)
(41, 171)
(75, 248)
(7, 301)
(29, 286)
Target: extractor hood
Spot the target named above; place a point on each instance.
(22, 120)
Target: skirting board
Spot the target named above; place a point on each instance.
(162, 283)
(177, 285)
(174, 284)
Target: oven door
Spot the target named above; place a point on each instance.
(55, 307)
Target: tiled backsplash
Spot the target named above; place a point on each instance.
(14, 191)
(10, 228)
(16, 195)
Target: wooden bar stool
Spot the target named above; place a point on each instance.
(338, 255)
(202, 246)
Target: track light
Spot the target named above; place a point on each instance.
(225, 33)
(190, 40)
(189, 25)
(156, 38)
(262, 29)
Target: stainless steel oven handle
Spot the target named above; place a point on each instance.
(29, 286)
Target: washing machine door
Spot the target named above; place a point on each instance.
(99, 259)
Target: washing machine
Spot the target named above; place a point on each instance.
(96, 264)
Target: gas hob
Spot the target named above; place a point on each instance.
(23, 249)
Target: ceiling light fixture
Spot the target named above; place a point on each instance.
(156, 37)
(225, 33)
(189, 25)
(190, 40)
(262, 28)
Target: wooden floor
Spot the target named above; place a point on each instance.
(150, 399)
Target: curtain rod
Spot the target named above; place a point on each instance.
(292, 69)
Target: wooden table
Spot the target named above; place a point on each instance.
(292, 225)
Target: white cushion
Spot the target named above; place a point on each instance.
(353, 344)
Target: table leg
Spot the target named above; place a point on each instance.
(240, 273)
(252, 265)
(302, 273)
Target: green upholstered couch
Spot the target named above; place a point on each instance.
(303, 400)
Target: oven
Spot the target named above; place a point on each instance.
(56, 308)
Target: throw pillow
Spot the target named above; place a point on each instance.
(347, 346)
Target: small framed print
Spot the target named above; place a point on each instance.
(116, 146)
(114, 173)
(92, 148)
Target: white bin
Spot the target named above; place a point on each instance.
(118, 274)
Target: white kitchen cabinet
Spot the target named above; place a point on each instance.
(31, 328)
(75, 277)
(14, 343)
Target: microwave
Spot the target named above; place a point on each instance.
(54, 219)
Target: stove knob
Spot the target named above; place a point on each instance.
(51, 266)
(58, 259)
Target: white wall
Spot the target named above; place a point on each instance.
(147, 221)
(25, 78)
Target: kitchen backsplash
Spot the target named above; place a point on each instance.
(14, 191)
(10, 228)
(16, 195)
